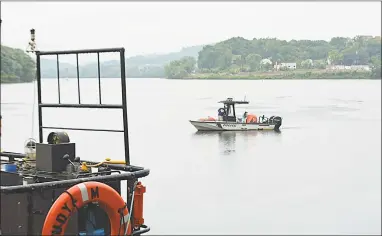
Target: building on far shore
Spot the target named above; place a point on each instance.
(287, 65)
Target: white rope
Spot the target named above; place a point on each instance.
(31, 48)
(131, 208)
(33, 105)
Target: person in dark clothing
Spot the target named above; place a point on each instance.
(221, 113)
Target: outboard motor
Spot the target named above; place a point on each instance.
(277, 120)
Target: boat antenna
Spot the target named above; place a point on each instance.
(245, 96)
(31, 48)
(32, 43)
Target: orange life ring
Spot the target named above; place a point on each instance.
(78, 196)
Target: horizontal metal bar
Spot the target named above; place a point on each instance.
(83, 129)
(122, 167)
(98, 173)
(71, 182)
(82, 51)
(13, 155)
(56, 105)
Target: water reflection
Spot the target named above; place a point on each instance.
(228, 139)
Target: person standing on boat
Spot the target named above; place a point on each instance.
(221, 113)
(245, 117)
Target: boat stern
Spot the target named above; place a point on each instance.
(277, 120)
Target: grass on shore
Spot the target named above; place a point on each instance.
(297, 74)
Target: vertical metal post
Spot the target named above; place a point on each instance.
(99, 79)
(78, 80)
(38, 77)
(124, 107)
(58, 80)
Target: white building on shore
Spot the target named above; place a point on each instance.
(287, 65)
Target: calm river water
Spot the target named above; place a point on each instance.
(320, 175)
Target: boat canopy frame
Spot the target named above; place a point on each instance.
(229, 105)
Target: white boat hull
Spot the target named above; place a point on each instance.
(230, 126)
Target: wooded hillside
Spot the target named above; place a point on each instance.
(238, 55)
(16, 66)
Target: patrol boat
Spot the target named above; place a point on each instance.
(228, 121)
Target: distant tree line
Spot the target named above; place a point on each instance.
(143, 66)
(180, 68)
(16, 66)
(237, 55)
(231, 57)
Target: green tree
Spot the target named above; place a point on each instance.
(266, 66)
(16, 66)
(376, 67)
(319, 64)
(307, 64)
(180, 68)
(340, 43)
(188, 64)
(215, 57)
(253, 61)
(335, 57)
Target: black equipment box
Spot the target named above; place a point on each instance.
(49, 157)
(10, 179)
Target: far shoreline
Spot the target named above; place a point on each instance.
(285, 75)
(273, 79)
(346, 76)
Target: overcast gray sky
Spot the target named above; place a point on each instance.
(149, 27)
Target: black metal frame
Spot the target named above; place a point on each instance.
(228, 105)
(123, 106)
(47, 183)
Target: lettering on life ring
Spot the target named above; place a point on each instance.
(81, 194)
